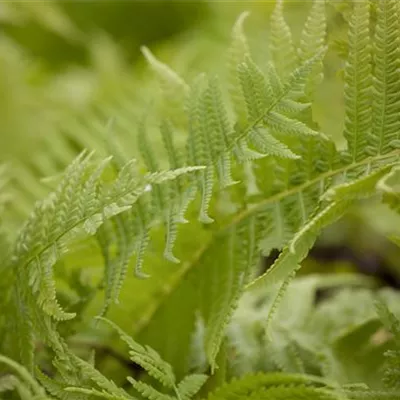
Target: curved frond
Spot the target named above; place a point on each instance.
(147, 358)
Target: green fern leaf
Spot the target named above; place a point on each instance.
(30, 386)
(88, 372)
(237, 53)
(273, 386)
(78, 202)
(148, 391)
(386, 90)
(169, 76)
(389, 186)
(190, 385)
(89, 393)
(358, 83)
(58, 389)
(256, 90)
(365, 186)
(282, 48)
(148, 358)
(312, 40)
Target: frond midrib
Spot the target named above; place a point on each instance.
(110, 201)
(297, 189)
(246, 130)
(187, 267)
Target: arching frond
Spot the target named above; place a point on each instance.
(148, 358)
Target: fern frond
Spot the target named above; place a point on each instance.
(190, 385)
(282, 49)
(147, 391)
(173, 87)
(290, 89)
(358, 83)
(210, 137)
(218, 126)
(269, 145)
(288, 261)
(386, 85)
(389, 186)
(30, 386)
(291, 192)
(147, 358)
(57, 388)
(278, 298)
(89, 393)
(273, 386)
(284, 125)
(237, 53)
(312, 40)
(256, 90)
(118, 232)
(80, 204)
(167, 201)
(362, 187)
(87, 372)
(76, 202)
(168, 76)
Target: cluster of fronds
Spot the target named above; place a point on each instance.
(243, 152)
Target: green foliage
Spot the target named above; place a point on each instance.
(58, 33)
(223, 167)
(339, 337)
(275, 386)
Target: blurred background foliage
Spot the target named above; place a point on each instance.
(60, 56)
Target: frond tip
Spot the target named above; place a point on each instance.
(169, 76)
